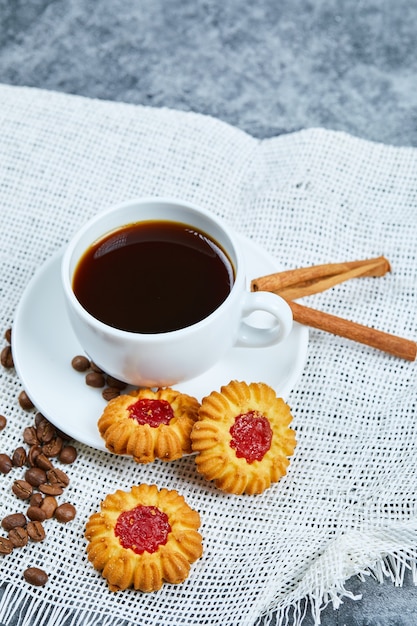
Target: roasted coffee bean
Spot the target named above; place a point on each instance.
(19, 457)
(36, 499)
(18, 536)
(109, 393)
(8, 335)
(36, 531)
(51, 490)
(25, 402)
(49, 505)
(57, 477)
(13, 521)
(6, 546)
(38, 418)
(53, 448)
(22, 489)
(64, 436)
(96, 368)
(6, 357)
(35, 476)
(65, 512)
(80, 363)
(95, 379)
(35, 576)
(115, 382)
(3, 422)
(43, 462)
(36, 514)
(67, 455)
(45, 432)
(30, 437)
(33, 454)
(6, 463)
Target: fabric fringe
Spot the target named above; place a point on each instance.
(20, 607)
(392, 567)
(25, 610)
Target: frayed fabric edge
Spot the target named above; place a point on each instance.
(18, 607)
(392, 567)
(26, 610)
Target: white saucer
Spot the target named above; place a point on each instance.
(43, 345)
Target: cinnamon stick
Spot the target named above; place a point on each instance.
(311, 287)
(294, 284)
(392, 344)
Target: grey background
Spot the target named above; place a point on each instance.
(266, 66)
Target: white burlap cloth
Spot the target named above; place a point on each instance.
(348, 504)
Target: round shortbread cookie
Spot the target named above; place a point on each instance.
(147, 424)
(242, 438)
(143, 537)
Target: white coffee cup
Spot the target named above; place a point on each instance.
(167, 358)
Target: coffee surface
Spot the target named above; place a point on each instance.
(153, 277)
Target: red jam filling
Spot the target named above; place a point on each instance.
(251, 436)
(152, 412)
(144, 528)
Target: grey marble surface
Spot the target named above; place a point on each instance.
(267, 66)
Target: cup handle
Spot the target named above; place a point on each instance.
(254, 336)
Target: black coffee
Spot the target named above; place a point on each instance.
(153, 277)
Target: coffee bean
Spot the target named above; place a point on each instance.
(25, 402)
(64, 436)
(57, 477)
(35, 576)
(18, 536)
(8, 335)
(45, 432)
(95, 379)
(6, 546)
(36, 499)
(44, 441)
(33, 454)
(19, 457)
(36, 514)
(22, 489)
(5, 463)
(53, 448)
(6, 357)
(65, 512)
(36, 531)
(13, 521)
(51, 490)
(38, 418)
(35, 476)
(109, 393)
(30, 437)
(49, 505)
(96, 368)
(80, 363)
(115, 382)
(67, 455)
(43, 462)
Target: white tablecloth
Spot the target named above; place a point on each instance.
(348, 503)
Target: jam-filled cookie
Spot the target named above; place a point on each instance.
(143, 537)
(149, 424)
(243, 439)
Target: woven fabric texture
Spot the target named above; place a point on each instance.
(348, 503)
